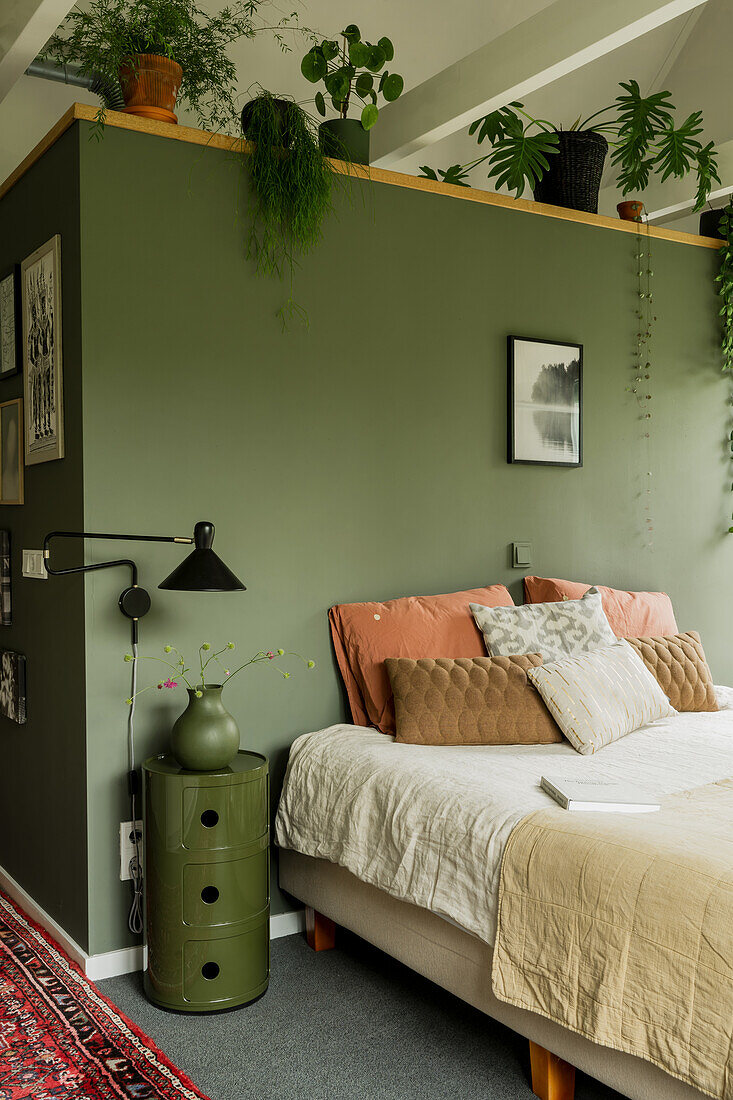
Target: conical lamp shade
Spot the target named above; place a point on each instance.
(203, 570)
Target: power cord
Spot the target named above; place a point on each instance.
(135, 917)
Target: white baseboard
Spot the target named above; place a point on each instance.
(287, 924)
(110, 964)
(14, 890)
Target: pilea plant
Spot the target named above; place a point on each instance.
(290, 192)
(348, 71)
(640, 130)
(724, 280)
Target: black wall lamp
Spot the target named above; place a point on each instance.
(201, 571)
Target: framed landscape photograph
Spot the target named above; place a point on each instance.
(11, 451)
(42, 359)
(545, 409)
(12, 686)
(11, 352)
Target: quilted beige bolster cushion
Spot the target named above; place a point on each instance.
(469, 701)
(678, 664)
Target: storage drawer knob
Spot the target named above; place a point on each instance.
(210, 971)
(209, 818)
(209, 895)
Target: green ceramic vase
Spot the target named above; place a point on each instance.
(205, 738)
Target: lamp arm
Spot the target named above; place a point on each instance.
(134, 601)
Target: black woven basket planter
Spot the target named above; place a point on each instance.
(574, 176)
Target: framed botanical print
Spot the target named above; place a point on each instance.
(545, 407)
(11, 451)
(11, 350)
(42, 353)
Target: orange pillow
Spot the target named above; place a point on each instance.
(630, 614)
(365, 634)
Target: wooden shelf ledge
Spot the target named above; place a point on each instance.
(85, 113)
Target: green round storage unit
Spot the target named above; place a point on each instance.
(207, 884)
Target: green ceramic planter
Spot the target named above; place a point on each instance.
(345, 139)
(205, 738)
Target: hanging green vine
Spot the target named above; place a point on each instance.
(724, 279)
(642, 366)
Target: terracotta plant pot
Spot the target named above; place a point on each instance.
(630, 210)
(150, 85)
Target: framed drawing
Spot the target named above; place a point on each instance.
(11, 352)
(545, 413)
(6, 600)
(11, 451)
(12, 686)
(40, 279)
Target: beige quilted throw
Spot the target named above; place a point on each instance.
(620, 927)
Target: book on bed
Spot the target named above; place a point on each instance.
(598, 794)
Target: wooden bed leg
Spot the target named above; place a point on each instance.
(320, 931)
(552, 1079)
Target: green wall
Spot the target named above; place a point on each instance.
(362, 458)
(43, 774)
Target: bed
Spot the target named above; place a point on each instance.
(403, 844)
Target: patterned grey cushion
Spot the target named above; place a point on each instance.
(554, 630)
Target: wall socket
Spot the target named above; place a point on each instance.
(33, 565)
(127, 846)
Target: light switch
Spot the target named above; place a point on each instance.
(521, 555)
(33, 565)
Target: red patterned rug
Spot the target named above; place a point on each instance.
(60, 1039)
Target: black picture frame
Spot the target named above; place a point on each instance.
(16, 358)
(13, 686)
(565, 436)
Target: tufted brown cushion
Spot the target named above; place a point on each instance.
(679, 665)
(469, 701)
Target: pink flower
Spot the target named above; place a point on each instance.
(271, 655)
(170, 683)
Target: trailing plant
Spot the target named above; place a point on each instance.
(348, 71)
(290, 188)
(640, 130)
(106, 34)
(641, 385)
(196, 678)
(724, 279)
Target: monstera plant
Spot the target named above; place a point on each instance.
(564, 167)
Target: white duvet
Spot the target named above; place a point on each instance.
(428, 824)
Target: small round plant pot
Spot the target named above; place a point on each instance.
(345, 139)
(205, 738)
(249, 121)
(150, 84)
(710, 223)
(630, 210)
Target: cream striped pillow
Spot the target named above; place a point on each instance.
(598, 697)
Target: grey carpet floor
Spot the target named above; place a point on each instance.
(342, 1024)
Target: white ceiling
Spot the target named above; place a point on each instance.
(688, 55)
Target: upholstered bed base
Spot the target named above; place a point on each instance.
(460, 963)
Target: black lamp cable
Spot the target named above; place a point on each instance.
(135, 917)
